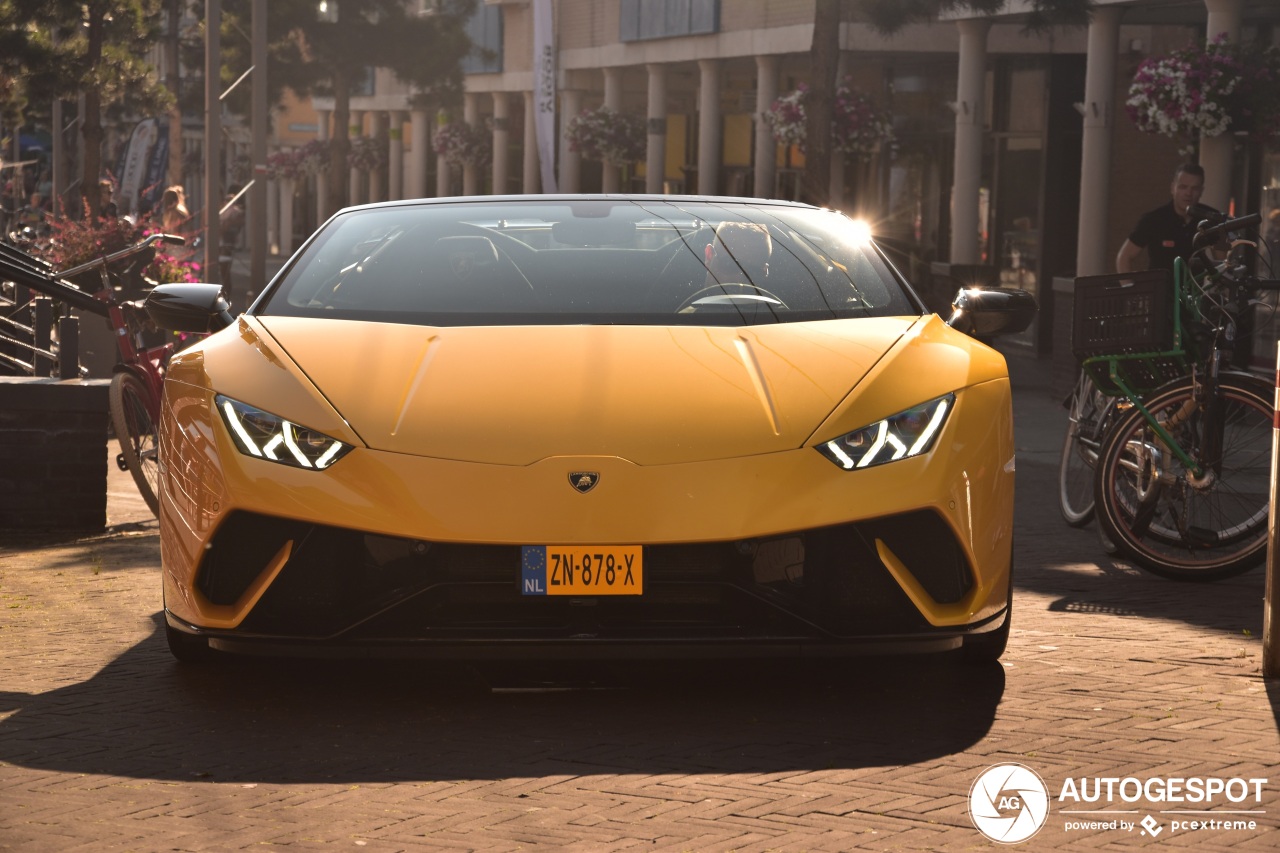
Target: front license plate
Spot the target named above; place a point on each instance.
(581, 570)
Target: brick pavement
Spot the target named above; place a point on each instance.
(107, 744)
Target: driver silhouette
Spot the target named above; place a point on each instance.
(739, 252)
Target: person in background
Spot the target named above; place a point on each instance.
(1166, 232)
(106, 206)
(32, 216)
(174, 216)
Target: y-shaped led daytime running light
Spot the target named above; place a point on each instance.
(229, 415)
(262, 434)
(901, 436)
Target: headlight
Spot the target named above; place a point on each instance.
(900, 436)
(268, 436)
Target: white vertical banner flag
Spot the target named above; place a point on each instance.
(134, 170)
(544, 91)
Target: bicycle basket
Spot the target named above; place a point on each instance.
(1123, 313)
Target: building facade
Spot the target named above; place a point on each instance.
(1013, 161)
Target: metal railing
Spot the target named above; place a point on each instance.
(35, 342)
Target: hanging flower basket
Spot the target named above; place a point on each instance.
(858, 127)
(608, 135)
(313, 158)
(366, 154)
(463, 145)
(284, 164)
(1209, 90)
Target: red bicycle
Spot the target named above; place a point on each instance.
(138, 377)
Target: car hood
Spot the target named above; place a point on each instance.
(513, 395)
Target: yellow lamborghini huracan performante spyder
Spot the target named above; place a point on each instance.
(583, 427)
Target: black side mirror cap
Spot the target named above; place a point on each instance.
(985, 312)
(198, 308)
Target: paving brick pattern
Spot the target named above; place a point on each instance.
(107, 744)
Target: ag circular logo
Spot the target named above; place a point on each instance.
(1008, 803)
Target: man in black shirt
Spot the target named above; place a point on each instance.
(1166, 232)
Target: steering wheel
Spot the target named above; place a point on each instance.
(730, 295)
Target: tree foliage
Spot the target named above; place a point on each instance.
(98, 48)
(19, 52)
(330, 55)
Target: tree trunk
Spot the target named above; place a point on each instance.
(339, 142)
(819, 102)
(92, 129)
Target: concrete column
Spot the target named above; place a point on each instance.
(354, 195)
(322, 184)
(286, 216)
(273, 217)
(418, 154)
(835, 189)
(1092, 257)
(970, 98)
(570, 161)
(379, 176)
(395, 156)
(655, 162)
(501, 143)
(470, 115)
(708, 126)
(1215, 151)
(532, 179)
(610, 179)
(443, 168)
(766, 165)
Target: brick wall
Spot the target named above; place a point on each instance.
(53, 454)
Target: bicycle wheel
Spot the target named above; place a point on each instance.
(1088, 414)
(137, 435)
(1164, 520)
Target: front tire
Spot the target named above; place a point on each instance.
(187, 648)
(1158, 516)
(988, 647)
(1087, 416)
(137, 435)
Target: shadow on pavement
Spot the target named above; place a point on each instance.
(248, 720)
(1056, 560)
(1053, 559)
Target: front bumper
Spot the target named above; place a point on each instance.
(781, 551)
(810, 593)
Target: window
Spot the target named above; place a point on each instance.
(655, 19)
(484, 28)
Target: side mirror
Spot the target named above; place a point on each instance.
(196, 308)
(985, 312)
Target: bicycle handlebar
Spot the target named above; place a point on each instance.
(28, 271)
(124, 253)
(1264, 284)
(1207, 234)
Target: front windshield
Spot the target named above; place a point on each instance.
(637, 261)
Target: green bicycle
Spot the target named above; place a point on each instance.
(1182, 475)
